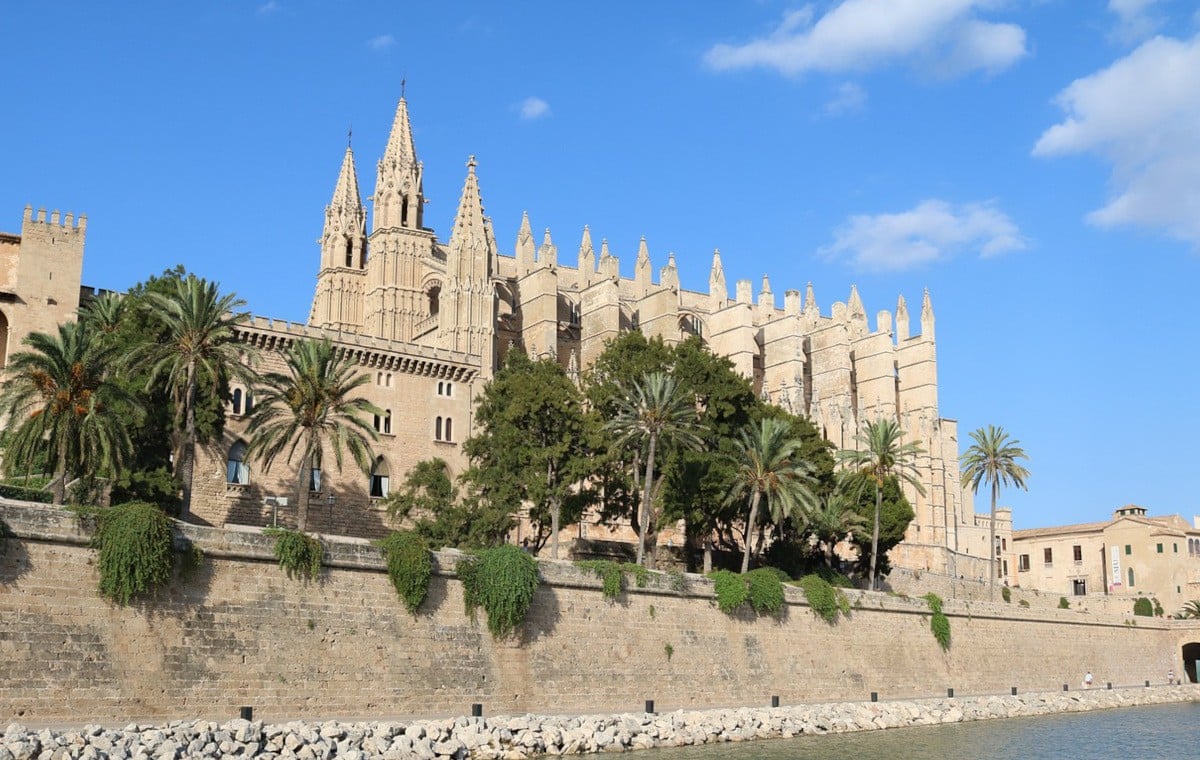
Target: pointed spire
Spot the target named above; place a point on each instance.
(345, 221)
(927, 316)
(587, 258)
(766, 299)
(345, 192)
(669, 276)
(901, 320)
(855, 305)
(547, 252)
(470, 238)
(610, 266)
(810, 302)
(717, 289)
(641, 272)
(526, 250)
(399, 195)
(400, 147)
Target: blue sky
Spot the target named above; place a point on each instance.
(1034, 163)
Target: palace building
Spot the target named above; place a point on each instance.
(429, 320)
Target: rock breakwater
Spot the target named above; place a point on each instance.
(516, 737)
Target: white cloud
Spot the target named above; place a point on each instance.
(858, 35)
(1142, 115)
(268, 8)
(1136, 21)
(382, 42)
(933, 231)
(533, 108)
(849, 97)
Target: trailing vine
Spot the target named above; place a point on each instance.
(134, 546)
(940, 624)
(824, 600)
(613, 575)
(503, 581)
(299, 554)
(761, 588)
(409, 566)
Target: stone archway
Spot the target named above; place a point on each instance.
(1191, 654)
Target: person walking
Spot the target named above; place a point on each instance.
(1087, 680)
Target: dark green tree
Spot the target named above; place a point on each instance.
(895, 514)
(531, 445)
(441, 516)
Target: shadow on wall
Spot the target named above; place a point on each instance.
(14, 560)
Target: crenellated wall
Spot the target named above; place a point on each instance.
(239, 632)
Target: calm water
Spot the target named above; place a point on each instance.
(1162, 731)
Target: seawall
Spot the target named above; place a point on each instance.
(237, 631)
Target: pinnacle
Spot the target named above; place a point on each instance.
(345, 192)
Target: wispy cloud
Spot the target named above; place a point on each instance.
(382, 42)
(934, 230)
(1142, 115)
(945, 36)
(848, 97)
(533, 108)
(1136, 19)
(267, 8)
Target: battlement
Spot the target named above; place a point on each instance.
(67, 223)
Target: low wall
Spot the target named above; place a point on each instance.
(239, 632)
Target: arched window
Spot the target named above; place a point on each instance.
(449, 389)
(435, 294)
(437, 429)
(349, 252)
(249, 401)
(441, 388)
(237, 400)
(379, 479)
(236, 470)
(387, 422)
(449, 429)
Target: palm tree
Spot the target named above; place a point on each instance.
(883, 455)
(832, 520)
(59, 399)
(1190, 611)
(654, 412)
(201, 344)
(310, 409)
(767, 466)
(993, 459)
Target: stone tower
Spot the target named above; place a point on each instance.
(338, 304)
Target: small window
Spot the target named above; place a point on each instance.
(1078, 551)
(249, 401)
(237, 401)
(387, 422)
(1023, 563)
(441, 389)
(1131, 577)
(1128, 549)
(389, 379)
(449, 429)
(236, 471)
(1159, 547)
(449, 389)
(1004, 572)
(1004, 543)
(378, 423)
(379, 479)
(314, 479)
(1048, 556)
(1174, 548)
(437, 429)
(1080, 587)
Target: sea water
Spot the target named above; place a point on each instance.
(1141, 733)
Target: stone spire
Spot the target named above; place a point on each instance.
(927, 317)
(901, 320)
(399, 193)
(610, 266)
(810, 302)
(855, 311)
(469, 254)
(587, 258)
(345, 220)
(641, 272)
(717, 290)
(525, 247)
(467, 309)
(766, 299)
(547, 251)
(669, 276)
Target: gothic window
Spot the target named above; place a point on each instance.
(449, 429)
(435, 294)
(349, 252)
(379, 479)
(237, 401)
(387, 422)
(449, 389)
(236, 471)
(437, 429)
(404, 211)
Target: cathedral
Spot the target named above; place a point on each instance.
(429, 322)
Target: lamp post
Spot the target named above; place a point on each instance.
(330, 500)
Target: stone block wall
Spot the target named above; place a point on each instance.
(239, 632)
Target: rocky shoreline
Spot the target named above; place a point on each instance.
(516, 737)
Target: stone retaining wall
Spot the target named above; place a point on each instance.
(239, 632)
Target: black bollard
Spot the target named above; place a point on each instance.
(476, 710)
(246, 713)
(874, 696)
(1147, 684)
(1110, 685)
(1014, 691)
(650, 706)
(949, 692)
(1066, 687)
(774, 701)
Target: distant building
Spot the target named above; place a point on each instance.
(1130, 555)
(430, 321)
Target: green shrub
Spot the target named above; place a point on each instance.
(1158, 608)
(677, 581)
(1006, 593)
(1063, 603)
(298, 554)
(134, 545)
(1143, 607)
(639, 572)
(502, 580)
(409, 566)
(669, 651)
(609, 572)
(940, 624)
(824, 600)
(732, 590)
(765, 590)
(1024, 603)
(25, 493)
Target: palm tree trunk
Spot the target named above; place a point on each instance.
(708, 552)
(750, 529)
(644, 518)
(875, 532)
(992, 544)
(188, 453)
(305, 475)
(59, 487)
